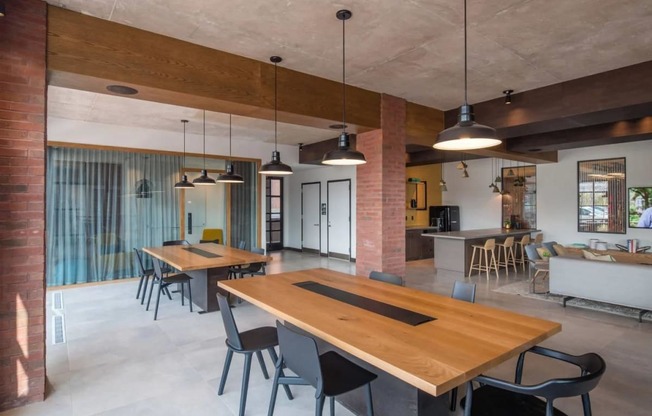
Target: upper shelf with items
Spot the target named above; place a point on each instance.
(416, 194)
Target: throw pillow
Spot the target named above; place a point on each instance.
(544, 253)
(590, 256)
(560, 250)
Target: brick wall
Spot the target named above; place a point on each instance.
(22, 202)
(381, 193)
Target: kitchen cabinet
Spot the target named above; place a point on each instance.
(418, 247)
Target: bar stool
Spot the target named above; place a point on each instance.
(508, 254)
(538, 239)
(489, 262)
(521, 258)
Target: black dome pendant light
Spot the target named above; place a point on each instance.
(184, 183)
(229, 176)
(343, 155)
(466, 134)
(275, 166)
(204, 179)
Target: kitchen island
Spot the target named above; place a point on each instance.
(453, 249)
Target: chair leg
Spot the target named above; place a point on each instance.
(183, 296)
(189, 296)
(142, 300)
(167, 292)
(151, 289)
(486, 262)
(245, 384)
(274, 357)
(469, 399)
(332, 405)
(370, 402)
(493, 259)
(453, 397)
(272, 400)
(586, 404)
(140, 286)
(319, 405)
(158, 298)
(472, 259)
(259, 355)
(225, 371)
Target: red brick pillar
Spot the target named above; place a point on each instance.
(380, 198)
(22, 202)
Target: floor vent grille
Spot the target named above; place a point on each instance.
(59, 329)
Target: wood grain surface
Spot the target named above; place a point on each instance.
(185, 260)
(465, 340)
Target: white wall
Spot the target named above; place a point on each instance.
(293, 208)
(556, 192)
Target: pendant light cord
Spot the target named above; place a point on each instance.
(275, 105)
(343, 76)
(230, 138)
(465, 58)
(204, 139)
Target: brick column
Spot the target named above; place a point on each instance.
(380, 193)
(22, 202)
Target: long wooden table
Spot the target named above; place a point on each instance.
(196, 260)
(465, 339)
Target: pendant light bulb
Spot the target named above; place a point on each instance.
(204, 179)
(230, 176)
(343, 155)
(466, 134)
(184, 183)
(275, 167)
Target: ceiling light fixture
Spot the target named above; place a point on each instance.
(2, 9)
(466, 134)
(508, 96)
(184, 184)
(204, 179)
(343, 155)
(230, 176)
(275, 166)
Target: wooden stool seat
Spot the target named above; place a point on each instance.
(489, 262)
(508, 257)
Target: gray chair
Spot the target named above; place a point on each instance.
(329, 373)
(498, 397)
(144, 273)
(164, 281)
(539, 265)
(466, 292)
(253, 269)
(250, 342)
(386, 277)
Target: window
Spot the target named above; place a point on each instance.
(601, 196)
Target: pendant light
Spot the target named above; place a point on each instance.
(229, 176)
(466, 134)
(442, 182)
(275, 166)
(204, 179)
(343, 155)
(184, 183)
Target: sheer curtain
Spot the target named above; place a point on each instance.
(100, 205)
(243, 205)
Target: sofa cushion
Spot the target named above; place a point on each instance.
(550, 245)
(544, 253)
(560, 250)
(590, 256)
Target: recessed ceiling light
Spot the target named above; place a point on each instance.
(122, 90)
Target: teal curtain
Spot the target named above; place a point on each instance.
(100, 205)
(243, 206)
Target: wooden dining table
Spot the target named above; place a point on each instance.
(421, 344)
(206, 263)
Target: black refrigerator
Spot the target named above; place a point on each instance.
(445, 217)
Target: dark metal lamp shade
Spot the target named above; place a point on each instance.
(204, 179)
(229, 176)
(275, 166)
(184, 183)
(343, 155)
(467, 134)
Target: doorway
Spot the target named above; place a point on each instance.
(274, 213)
(311, 217)
(338, 201)
(203, 207)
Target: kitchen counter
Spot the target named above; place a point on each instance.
(421, 227)
(453, 249)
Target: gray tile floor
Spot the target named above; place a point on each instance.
(118, 361)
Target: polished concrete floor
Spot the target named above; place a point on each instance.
(117, 361)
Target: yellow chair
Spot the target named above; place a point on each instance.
(212, 235)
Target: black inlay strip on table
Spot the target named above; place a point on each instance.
(390, 311)
(201, 252)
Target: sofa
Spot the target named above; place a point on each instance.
(624, 284)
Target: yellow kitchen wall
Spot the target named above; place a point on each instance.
(431, 174)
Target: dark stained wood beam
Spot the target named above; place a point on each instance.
(422, 124)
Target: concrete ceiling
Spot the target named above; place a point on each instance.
(411, 49)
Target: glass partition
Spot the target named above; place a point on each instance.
(602, 194)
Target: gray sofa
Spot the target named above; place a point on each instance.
(624, 284)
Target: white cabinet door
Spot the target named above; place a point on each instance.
(310, 216)
(339, 219)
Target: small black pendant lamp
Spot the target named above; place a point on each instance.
(229, 176)
(343, 155)
(204, 179)
(466, 134)
(275, 167)
(184, 183)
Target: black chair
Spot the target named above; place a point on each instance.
(499, 397)
(329, 373)
(253, 269)
(164, 282)
(387, 278)
(145, 274)
(466, 292)
(235, 270)
(248, 343)
(176, 243)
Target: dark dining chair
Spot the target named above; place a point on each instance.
(329, 373)
(253, 269)
(250, 342)
(387, 278)
(165, 281)
(466, 292)
(498, 397)
(144, 273)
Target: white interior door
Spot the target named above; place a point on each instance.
(339, 218)
(311, 217)
(204, 207)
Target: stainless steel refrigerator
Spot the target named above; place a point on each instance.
(445, 217)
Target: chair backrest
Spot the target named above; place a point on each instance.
(509, 241)
(176, 243)
(231, 329)
(538, 239)
(490, 244)
(531, 252)
(258, 250)
(157, 268)
(525, 240)
(386, 277)
(212, 234)
(464, 291)
(242, 244)
(300, 355)
(139, 259)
